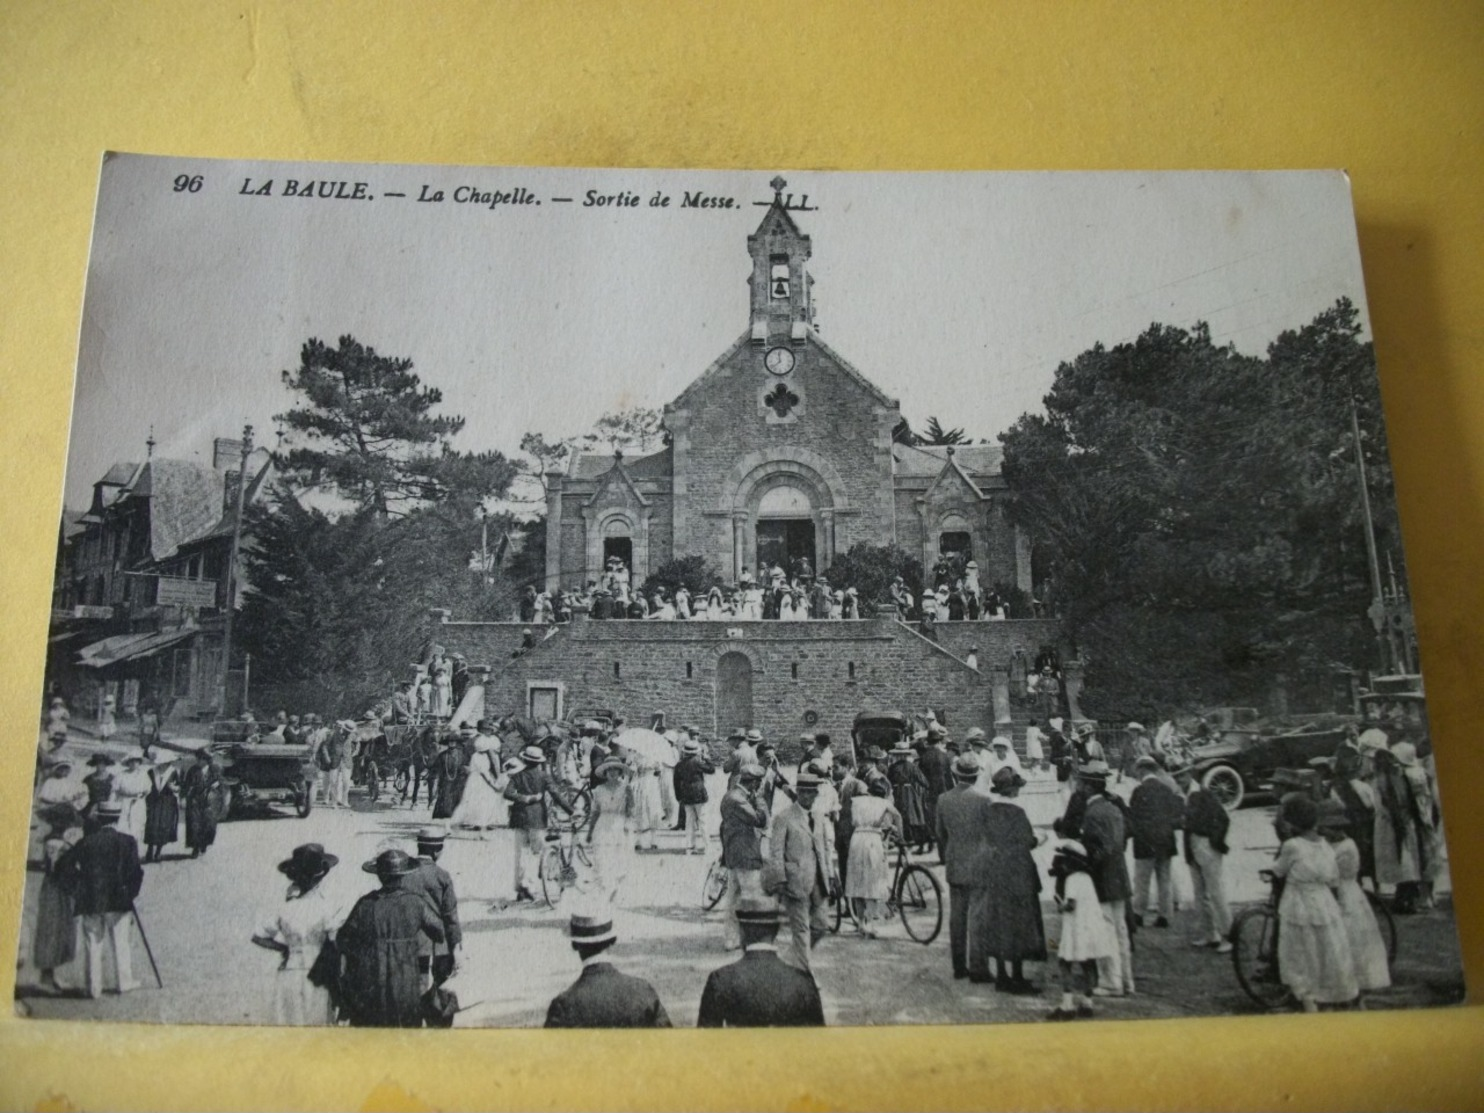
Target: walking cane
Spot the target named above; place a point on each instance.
(145, 940)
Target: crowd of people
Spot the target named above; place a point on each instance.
(796, 594)
(793, 838)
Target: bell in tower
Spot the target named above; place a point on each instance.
(779, 284)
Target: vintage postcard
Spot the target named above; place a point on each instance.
(635, 598)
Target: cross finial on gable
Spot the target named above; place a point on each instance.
(778, 185)
(618, 456)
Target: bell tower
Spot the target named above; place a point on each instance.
(780, 286)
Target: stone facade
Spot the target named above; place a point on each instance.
(780, 448)
(784, 678)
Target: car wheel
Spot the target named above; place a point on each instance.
(1224, 783)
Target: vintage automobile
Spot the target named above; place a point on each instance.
(1241, 761)
(255, 773)
(879, 728)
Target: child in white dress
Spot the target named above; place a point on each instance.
(1086, 934)
(1367, 949)
(1314, 957)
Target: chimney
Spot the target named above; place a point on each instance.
(226, 454)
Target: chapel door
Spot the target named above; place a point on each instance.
(782, 541)
(733, 693)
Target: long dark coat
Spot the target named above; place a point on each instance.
(200, 821)
(449, 766)
(909, 791)
(1155, 814)
(1104, 834)
(161, 811)
(760, 990)
(381, 986)
(1013, 930)
(603, 998)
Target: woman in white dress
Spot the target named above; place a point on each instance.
(867, 874)
(1367, 948)
(682, 603)
(442, 692)
(715, 604)
(648, 805)
(108, 723)
(297, 930)
(130, 788)
(483, 806)
(609, 830)
(1314, 958)
(787, 610)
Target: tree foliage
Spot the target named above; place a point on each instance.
(696, 573)
(366, 430)
(934, 434)
(633, 432)
(1200, 508)
(870, 569)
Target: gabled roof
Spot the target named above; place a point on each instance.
(185, 500)
(657, 465)
(775, 216)
(223, 524)
(617, 475)
(715, 368)
(811, 337)
(927, 461)
(119, 474)
(952, 472)
(850, 369)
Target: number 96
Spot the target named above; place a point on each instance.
(188, 183)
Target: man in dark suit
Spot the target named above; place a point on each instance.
(937, 767)
(435, 961)
(800, 870)
(759, 990)
(1105, 835)
(743, 821)
(601, 997)
(528, 792)
(963, 825)
(103, 875)
(1155, 814)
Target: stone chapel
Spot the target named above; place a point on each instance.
(781, 448)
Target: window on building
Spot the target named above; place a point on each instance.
(778, 278)
(850, 670)
(688, 670)
(545, 702)
(794, 668)
(615, 670)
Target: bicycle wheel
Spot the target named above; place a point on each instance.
(1254, 938)
(1386, 922)
(714, 887)
(582, 807)
(920, 903)
(373, 781)
(552, 873)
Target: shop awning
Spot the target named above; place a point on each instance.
(130, 647)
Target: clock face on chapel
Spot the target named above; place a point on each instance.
(780, 361)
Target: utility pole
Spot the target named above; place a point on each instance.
(1377, 609)
(231, 601)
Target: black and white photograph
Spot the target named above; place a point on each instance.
(521, 597)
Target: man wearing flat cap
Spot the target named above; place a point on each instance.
(801, 870)
(759, 990)
(601, 997)
(432, 882)
(743, 821)
(380, 941)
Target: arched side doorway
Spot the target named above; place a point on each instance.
(733, 693)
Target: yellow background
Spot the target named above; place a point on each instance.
(1391, 92)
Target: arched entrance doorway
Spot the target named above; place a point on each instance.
(785, 528)
(733, 693)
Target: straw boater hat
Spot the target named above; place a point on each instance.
(875, 753)
(901, 749)
(308, 860)
(1136, 728)
(758, 910)
(753, 735)
(390, 863)
(512, 765)
(585, 930)
(807, 779)
(432, 837)
(532, 755)
(690, 746)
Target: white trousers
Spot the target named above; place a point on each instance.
(1117, 971)
(111, 930)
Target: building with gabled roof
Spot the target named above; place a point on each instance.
(781, 449)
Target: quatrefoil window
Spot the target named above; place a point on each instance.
(781, 400)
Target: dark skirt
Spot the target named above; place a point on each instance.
(1013, 930)
(200, 822)
(55, 942)
(161, 818)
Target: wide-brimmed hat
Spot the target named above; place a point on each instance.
(966, 766)
(1094, 770)
(533, 755)
(1084, 729)
(1001, 740)
(390, 863)
(1006, 778)
(308, 860)
(807, 779)
(102, 759)
(585, 930)
(1135, 727)
(753, 735)
(875, 753)
(609, 763)
(690, 746)
(1371, 740)
(977, 737)
(1405, 753)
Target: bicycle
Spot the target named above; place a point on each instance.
(914, 895)
(714, 884)
(560, 859)
(1254, 939)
